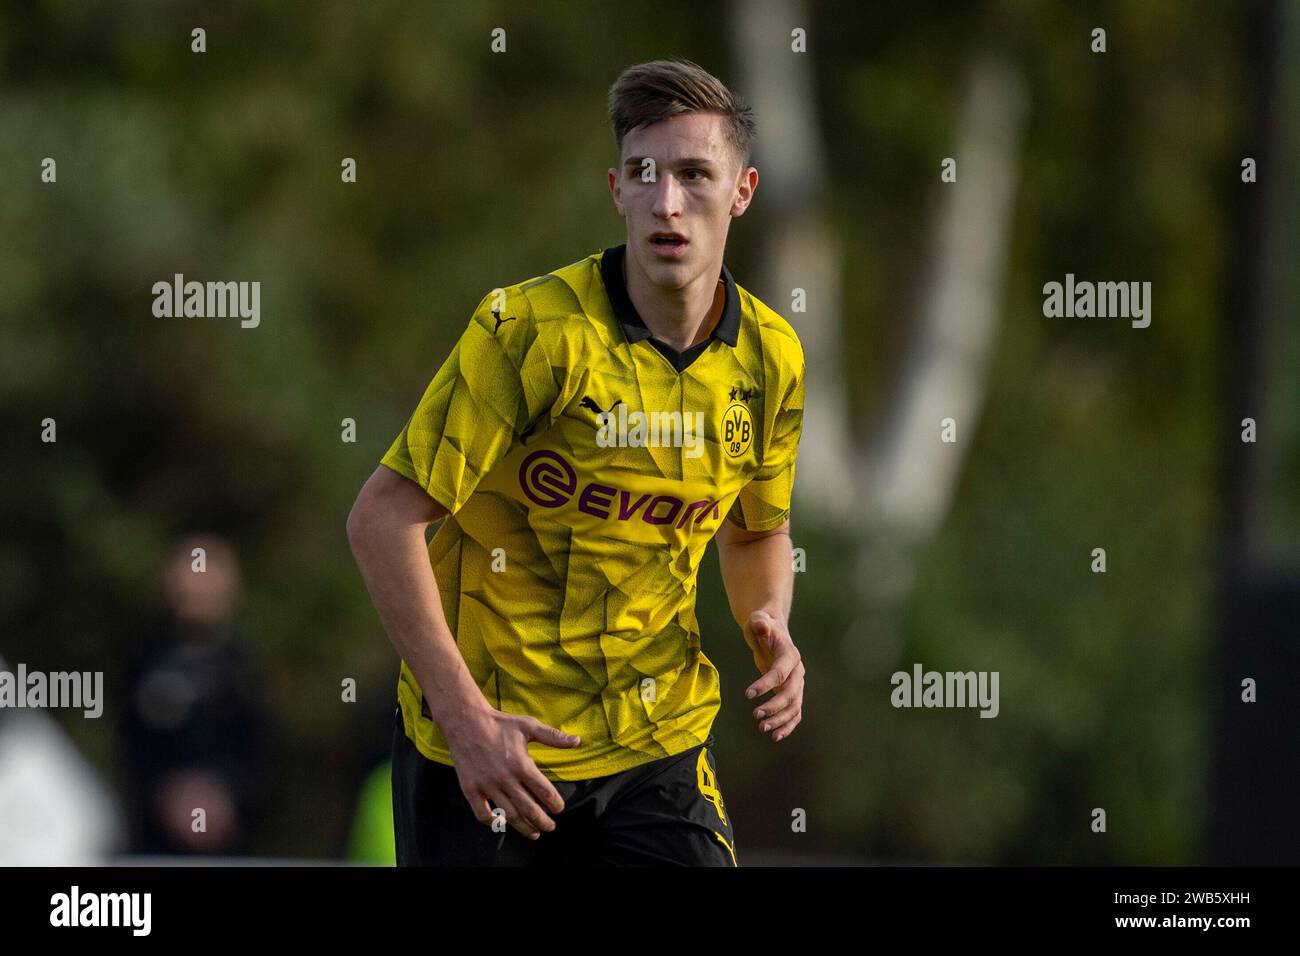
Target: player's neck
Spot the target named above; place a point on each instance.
(678, 317)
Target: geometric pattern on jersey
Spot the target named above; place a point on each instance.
(567, 564)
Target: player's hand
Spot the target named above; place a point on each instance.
(782, 670)
(490, 754)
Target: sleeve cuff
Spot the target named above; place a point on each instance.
(404, 468)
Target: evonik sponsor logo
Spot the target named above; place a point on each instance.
(549, 481)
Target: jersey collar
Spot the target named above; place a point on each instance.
(634, 327)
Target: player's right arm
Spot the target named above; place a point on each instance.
(474, 409)
(386, 531)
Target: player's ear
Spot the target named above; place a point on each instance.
(616, 190)
(746, 183)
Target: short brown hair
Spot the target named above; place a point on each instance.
(649, 92)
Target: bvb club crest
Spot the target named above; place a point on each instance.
(737, 430)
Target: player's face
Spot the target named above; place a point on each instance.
(696, 189)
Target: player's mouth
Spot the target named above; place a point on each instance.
(670, 245)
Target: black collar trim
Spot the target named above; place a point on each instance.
(634, 327)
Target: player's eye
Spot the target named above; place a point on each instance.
(703, 175)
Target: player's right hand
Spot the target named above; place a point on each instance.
(490, 755)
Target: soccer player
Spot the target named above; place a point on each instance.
(591, 431)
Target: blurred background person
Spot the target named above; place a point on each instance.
(194, 726)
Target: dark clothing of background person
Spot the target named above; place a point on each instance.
(193, 712)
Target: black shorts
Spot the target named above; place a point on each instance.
(663, 812)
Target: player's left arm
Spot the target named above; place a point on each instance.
(758, 573)
(755, 552)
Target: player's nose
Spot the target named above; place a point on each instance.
(668, 196)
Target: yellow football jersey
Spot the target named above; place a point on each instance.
(585, 466)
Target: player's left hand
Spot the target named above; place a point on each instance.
(781, 667)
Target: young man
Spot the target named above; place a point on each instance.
(592, 430)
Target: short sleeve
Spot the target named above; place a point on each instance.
(488, 394)
(764, 502)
